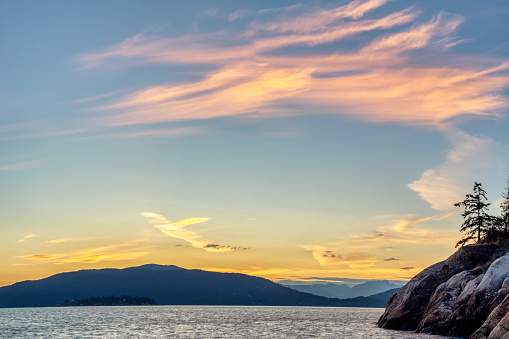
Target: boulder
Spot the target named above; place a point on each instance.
(437, 317)
(501, 331)
(407, 309)
(495, 275)
(493, 320)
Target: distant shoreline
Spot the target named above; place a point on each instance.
(123, 300)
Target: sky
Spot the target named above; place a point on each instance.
(307, 141)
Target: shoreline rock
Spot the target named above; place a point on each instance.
(466, 295)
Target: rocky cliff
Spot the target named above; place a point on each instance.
(466, 295)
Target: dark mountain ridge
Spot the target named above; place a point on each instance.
(167, 285)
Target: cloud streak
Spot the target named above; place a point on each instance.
(406, 229)
(177, 230)
(20, 165)
(58, 241)
(380, 80)
(25, 237)
(92, 255)
(305, 19)
(40, 256)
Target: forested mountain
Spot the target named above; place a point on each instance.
(167, 285)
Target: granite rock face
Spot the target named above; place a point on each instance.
(465, 295)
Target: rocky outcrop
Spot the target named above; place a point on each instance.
(439, 315)
(465, 295)
(407, 308)
(493, 320)
(501, 331)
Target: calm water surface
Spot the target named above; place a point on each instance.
(195, 322)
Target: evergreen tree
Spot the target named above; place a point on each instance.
(504, 206)
(476, 218)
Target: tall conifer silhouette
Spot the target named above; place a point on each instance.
(476, 217)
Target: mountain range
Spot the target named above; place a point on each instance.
(332, 290)
(168, 285)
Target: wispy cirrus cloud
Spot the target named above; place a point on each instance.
(59, 240)
(40, 256)
(125, 251)
(25, 237)
(166, 132)
(435, 31)
(335, 33)
(15, 133)
(236, 15)
(406, 229)
(95, 98)
(379, 80)
(306, 19)
(177, 230)
(18, 166)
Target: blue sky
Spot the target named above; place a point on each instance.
(291, 139)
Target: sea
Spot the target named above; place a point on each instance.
(196, 322)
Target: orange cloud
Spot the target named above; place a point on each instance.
(39, 256)
(406, 229)
(57, 241)
(92, 255)
(88, 258)
(249, 88)
(380, 81)
(123, 251)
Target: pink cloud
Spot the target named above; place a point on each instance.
(308, 20)
(380, 81)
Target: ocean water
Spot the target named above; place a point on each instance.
(195, 322)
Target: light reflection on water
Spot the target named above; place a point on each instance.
(195, 322)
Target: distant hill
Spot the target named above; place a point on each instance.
(385, 296)
(342, 291)
(372, 287)
(166, 285)
(328, 290)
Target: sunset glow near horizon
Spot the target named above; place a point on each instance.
(314, 140)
